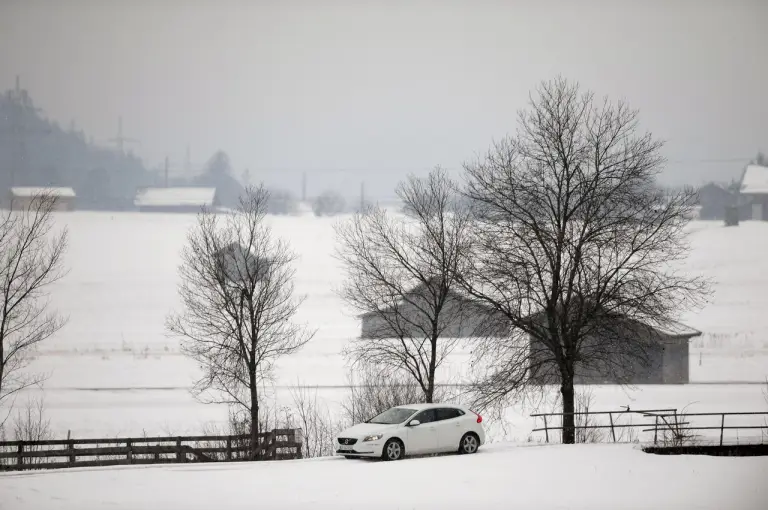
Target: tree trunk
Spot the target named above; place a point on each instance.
(255, 446)
(430, 394)
(566, 391)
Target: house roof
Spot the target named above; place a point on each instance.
(415, 292)
(668, 328)
(30, 191)
(677, 329)
(755, 180)
(175, 197)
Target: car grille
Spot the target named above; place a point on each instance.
(347, 441)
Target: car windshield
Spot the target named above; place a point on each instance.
(392, 416)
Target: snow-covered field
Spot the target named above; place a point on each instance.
(499, 476)
(113, 370)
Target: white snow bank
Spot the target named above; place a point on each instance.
(500, 476)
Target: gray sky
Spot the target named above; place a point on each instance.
(380, 89)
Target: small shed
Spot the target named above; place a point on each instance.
(627, 352)
(461, 317)
(187, 199)
(754, 188)
(21, 197)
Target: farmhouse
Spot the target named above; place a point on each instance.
(21, 197)
(754, 188)
(622, 351)
(178, 200)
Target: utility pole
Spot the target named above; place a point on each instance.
(362, 196)
(187, 162)
(120, 140)
(304, 187)
(166, 171)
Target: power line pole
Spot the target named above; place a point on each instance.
(304, 187)
(120, 140)
(362, 196)
(166, 171)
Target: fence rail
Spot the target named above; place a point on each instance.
(278, 444)
(669, 425)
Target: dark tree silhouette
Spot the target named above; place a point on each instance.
(402, 274)
(575, 242)
(31, 260)
(238, 296)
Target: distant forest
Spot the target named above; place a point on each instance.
(35, 151)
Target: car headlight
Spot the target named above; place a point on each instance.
(374, 437)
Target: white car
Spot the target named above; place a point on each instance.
(415, 429)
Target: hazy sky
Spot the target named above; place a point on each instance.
(356, 90)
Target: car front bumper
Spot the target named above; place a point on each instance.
(360, 449)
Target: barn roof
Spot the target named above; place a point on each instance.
(175, 197)
(415, 291)
(755, 180)
(31, 191)
(677, 329)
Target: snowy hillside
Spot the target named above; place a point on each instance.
(113, 370)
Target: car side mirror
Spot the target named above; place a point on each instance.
(413, 423)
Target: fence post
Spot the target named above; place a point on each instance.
(229, 447)
(20, 456)
(656, 430)
(613, 433)
(722, 426)
(72, 457)
(180, 455)
(129, 455)
(546, 430)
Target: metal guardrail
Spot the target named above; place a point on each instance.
(666, 421)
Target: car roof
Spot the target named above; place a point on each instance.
(421, 407)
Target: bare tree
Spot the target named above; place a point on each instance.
(31, 260)
(576, 245)
(372, 392)
(238, 296)
(402, 275)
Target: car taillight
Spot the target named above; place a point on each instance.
(479, 418)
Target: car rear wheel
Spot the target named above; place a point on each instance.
(469, 443)
(393, 450)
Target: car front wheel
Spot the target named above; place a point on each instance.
(469, 443)
(393, 450)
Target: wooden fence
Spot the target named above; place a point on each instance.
(279, 444)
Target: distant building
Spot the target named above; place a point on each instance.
(178, 200)
(461, 318)
(754, 188)
(624, 351)
(21, 197)
(714, 199)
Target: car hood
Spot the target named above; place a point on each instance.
(366, 429)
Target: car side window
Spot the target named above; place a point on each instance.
(448, 413)
(427, 416)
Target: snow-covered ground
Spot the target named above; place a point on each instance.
(499, 476)
(113, 370)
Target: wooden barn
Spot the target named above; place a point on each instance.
(21, 197)
(176, 200)
(463, 318)
(624, 351)
(665, 350)
(754, 188)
